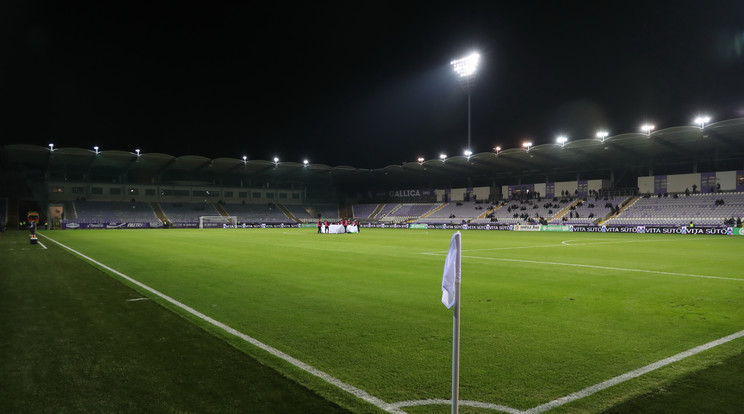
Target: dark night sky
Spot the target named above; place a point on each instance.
(366, 84)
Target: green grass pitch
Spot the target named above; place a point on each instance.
(544, 315)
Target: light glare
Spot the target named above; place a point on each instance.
(467, 66)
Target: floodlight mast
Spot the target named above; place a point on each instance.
(467, 70)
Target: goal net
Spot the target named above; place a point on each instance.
(214, 222)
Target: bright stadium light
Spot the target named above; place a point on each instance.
(137, 151)
(51, 147)
(442, 157)
(702, 120)
(95, 149)
(467, 70)
(305, 162)
(245, 159)
(276, 160)
(420, 160)
(602, 135)
(527, 146)
(497, 149)
(561, 140)
(647, 128)
(468, 153)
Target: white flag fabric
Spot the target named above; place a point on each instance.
(451, 272)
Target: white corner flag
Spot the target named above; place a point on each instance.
(451, 272)
(450, 298)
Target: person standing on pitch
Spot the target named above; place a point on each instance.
(320, 226)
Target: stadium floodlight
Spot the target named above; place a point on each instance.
(137, 151)
(305, 162)
(245, 159)
(95, 149)
(527, 146)
(276, 160)
(468, 153)
(51, 147)
(497, 149)
(466, 69)
(562, 140)
(442, 157)
(702, 120)
(420, 160)
(602, 135)
(647, 128)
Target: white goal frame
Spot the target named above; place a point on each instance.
(215, 222)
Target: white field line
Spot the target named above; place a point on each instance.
(273, 351)
(563, 244)
(566, 243)
(586, 391)
(620, 269)
(632, 374)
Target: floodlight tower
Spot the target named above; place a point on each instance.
(467, 70)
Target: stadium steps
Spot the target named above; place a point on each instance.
(158, 211)
(489, 211)
(377, 211)
(72, 209)
(441, 206)
(565, 210)
(287, 212)
(623, 208)
(220, 209)
(391, 212)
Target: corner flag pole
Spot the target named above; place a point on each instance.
(450, 298)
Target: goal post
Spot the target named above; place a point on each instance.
(214, 222)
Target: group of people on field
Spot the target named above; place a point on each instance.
(343, 222)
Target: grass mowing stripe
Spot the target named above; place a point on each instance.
(72, 342)
(299, 364)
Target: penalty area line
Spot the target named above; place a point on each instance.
(359, 393)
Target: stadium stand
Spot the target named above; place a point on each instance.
(410, 211)
(456, 212)
(364, 211)
(253, 213)
(187, 212)
(710, 209)
(113, 211)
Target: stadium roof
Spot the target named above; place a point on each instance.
(718, 146)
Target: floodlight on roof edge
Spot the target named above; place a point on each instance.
(602, 135)
(443, 157)
(467, 70)
(702, 120)
(51, 147)
(95, 149)
(647, 128)
(561, 140)
(497, 149)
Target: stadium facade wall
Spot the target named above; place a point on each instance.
(554, 189)
(71, 191)
(678, 183)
